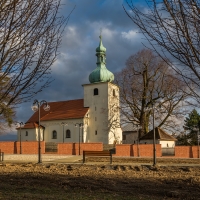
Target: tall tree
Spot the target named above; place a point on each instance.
(30, 35)
(191, 125)
(9, 112)
(172, 27)
(145, 80)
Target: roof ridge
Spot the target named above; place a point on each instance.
(64, 101)
(159, 132)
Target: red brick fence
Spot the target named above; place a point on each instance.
(27, 147)
(145, 150)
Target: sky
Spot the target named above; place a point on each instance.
(77, 52)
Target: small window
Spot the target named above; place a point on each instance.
(95, 132)
(54, 136)
(68, 133)
(95, 119)
(95, 108)
(26, 133)
(124, 137)
(114, 93)
(96, 91)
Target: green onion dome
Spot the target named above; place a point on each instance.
(101, 73)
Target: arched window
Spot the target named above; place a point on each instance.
(68, 133)
(96, 91)
(114, 93)
(54, 136)
(26, 133)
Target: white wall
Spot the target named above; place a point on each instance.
(167, 143)
(50, 126)
(99, 115)
(163, 143)
(30, 137)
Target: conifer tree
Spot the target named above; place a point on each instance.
(191, 122)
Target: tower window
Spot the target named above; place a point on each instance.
(68, 133)
(95, 132)
(26, 133)
(114, 93)
(96, 91)
(54, 135)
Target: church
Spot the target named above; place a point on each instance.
(95, 118)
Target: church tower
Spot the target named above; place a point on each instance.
(102, 98)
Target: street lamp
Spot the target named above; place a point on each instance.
(138, 127)
(20, 124)
(198, 138)
(35, 108)
(154, 134)
(154, 138)
(80, 125)
(63, 124)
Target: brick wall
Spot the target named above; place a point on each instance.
(8, 147)
(186, 151)
(27, 147)
(195, 152)
(144, 150)
(183, 152)
(124, 150)
(73, 148)
(30, 147)
(66, 148)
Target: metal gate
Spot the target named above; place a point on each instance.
(168, 151)
(51, 147)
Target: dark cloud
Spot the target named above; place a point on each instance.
(77, 54)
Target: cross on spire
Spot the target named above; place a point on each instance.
(100, 33)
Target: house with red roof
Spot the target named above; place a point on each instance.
(161, 137)
(95, 118)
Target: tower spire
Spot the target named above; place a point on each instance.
(101, 73)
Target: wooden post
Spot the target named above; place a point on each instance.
(110, 157)
(83, 156)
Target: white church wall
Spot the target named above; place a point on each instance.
(99, 129)
(41, 134)
(115, 131)
(97, 118)
(26, 135)
(55, 125)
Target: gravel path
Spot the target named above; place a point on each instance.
(34, 157)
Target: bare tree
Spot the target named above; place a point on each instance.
(30, 35)
(112, 123)
(145, 80)
(172, 27)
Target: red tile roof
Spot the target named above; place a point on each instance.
(72, 109)
(159, 135)
(29, 125)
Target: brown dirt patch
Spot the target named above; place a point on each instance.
(103, 181)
